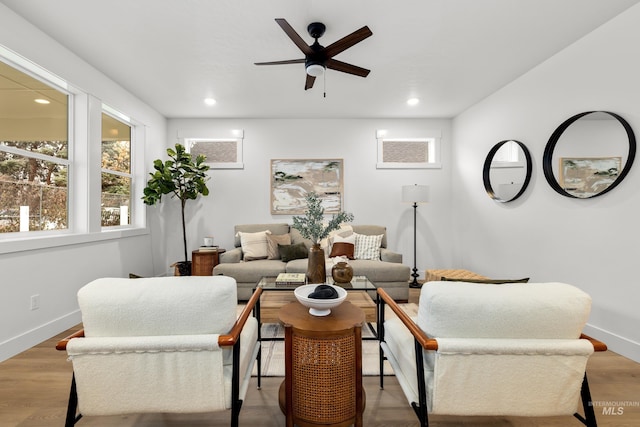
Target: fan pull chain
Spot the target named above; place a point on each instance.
(324, 83)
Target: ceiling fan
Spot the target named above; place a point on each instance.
(317, 58)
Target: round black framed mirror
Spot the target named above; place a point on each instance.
(507, 170)
(590, 151)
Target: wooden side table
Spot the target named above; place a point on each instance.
(202, 262)
(323, 366)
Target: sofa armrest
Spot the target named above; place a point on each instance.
(231, 256)
(390, 256)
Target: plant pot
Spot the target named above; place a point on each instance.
(342, 272)
(182, 268)
(316, 269)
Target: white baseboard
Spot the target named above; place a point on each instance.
(621, 345)
(37, 335)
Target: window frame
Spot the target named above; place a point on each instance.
(237, 138)
(433, 146)
(84, 170)
(114, 114)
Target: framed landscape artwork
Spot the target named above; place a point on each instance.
(584, 177)
(293, 179)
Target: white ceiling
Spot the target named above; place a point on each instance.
(449, 53)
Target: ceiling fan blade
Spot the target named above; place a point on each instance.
(347, 41)
(309, 83)
(334, 64)
(294, 36)
(288, 61)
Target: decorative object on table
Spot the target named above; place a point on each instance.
(183, 178)
(415, 194)
(208, 248)
(324, 292)
(318, 306)
(312, 227)
(291, 279)
(292, 179)
(342, 272)
(207, 241)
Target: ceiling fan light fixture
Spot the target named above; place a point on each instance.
(315, 70)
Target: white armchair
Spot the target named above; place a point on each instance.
(477, 349)
(170, 344)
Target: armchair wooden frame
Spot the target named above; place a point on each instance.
(424, 343)
(232, 339)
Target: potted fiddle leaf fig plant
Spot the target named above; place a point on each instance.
(312, 227)
(185, 179)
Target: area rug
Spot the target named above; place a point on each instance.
(273, 351)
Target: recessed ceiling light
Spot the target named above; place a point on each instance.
(210, 101)
(42, 101)
(413, 101)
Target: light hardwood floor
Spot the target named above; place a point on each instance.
(34, 388)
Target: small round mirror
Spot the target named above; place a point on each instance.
(589, 154)
(507, 171)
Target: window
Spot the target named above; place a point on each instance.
(70, 167)
(407, 153)
(509, 155)
(34, 153)
(116, 175)
(223, 153)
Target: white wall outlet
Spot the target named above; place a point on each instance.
(35, 302)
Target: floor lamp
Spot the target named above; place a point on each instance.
(415, 194)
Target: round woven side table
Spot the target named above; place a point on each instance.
(323, 366)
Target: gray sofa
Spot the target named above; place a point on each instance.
(388, 272)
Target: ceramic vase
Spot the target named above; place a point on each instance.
(342, 272)
(316, 269)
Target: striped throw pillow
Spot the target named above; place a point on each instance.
(367, 247)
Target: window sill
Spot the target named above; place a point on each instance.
(30, 243)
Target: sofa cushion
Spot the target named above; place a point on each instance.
(252, 271)
(272, 244)
(342, 249)
(297, 265)
(278, 228)
(254, 245)
(291, 252)
(296, 237)
(372, 230)
(379, 272)
(368, 247)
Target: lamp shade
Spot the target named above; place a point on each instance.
(415, 193)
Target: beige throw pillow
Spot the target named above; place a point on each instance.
(254, 245)
(272, 244)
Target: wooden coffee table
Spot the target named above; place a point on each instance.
(274, 297)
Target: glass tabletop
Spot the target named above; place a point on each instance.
(358, 283)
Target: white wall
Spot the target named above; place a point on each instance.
(372, 195)
(590, 243)
(57, 273)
